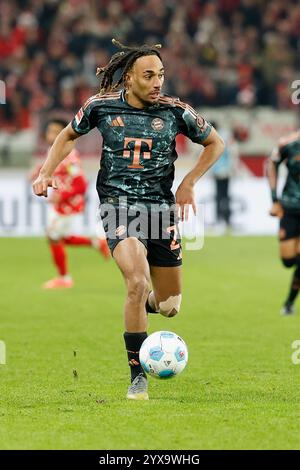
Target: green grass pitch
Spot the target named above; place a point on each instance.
(240, 389)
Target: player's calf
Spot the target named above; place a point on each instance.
(137, 289)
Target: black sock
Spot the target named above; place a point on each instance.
(148, 307)
(295, 286)
(133, 343)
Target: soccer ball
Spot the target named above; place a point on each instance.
(163, 354)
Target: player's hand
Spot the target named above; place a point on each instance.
(185, 197)
(277, 210)
(42, 183)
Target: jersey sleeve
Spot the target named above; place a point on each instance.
(85, 120)
(192, 124)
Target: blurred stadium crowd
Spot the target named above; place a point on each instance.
(226, 52)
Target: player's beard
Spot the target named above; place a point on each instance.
(149, 102)
(144, 101)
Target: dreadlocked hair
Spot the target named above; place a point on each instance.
(122, 60)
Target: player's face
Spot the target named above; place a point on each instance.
(52, 131)
(145, 80)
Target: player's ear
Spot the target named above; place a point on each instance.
(127, 80)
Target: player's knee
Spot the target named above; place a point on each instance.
(170, 307)
(52, 235)
(138, 288)
(53, 241)
(289, 262)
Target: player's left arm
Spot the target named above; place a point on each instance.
(185, 195)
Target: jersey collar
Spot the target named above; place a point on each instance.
(123, 99)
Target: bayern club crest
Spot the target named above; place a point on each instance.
(157, 124)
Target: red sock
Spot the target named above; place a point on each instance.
(74, 240)
(59, 257)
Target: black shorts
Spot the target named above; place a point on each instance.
(289, 226)
(158, 231)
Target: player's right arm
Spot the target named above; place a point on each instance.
(272, 173)
(61, 147)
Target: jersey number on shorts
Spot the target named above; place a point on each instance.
(137, 153)
(174, 245)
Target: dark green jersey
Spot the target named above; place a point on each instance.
(138, 151)
(288, 150)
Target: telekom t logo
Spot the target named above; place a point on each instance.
(137, 153)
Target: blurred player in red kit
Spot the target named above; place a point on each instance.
(67, 202)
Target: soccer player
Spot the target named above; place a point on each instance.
(139, 126)
(67, 202)
(287, 209)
